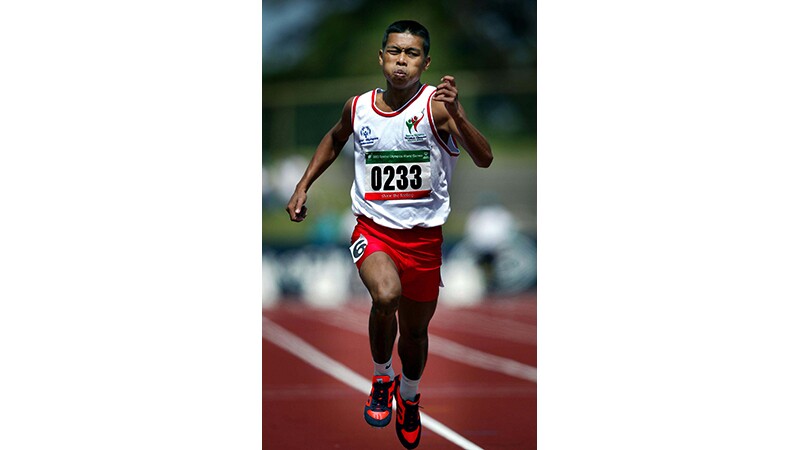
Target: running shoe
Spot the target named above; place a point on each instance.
(378, 410)
(408, 425)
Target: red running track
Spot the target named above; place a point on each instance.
(490, 401)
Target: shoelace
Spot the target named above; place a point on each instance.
(380, 394)
(412, 417)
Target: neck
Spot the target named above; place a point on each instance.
(395, 98)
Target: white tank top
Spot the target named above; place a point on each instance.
(403, 167)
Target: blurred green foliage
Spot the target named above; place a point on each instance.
(465, 35)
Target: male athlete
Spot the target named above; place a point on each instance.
(405, 152)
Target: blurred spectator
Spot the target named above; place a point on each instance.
(493, 241)
(489, 228)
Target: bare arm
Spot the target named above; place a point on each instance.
(454, 121)
(327, 152)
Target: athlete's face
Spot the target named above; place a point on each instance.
(403, 60)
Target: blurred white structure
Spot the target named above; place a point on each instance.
(347, 223)
(489, 227)
(285, 175)
(464, 283)
(326, 280)
(270, 292)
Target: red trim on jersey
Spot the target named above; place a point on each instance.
(392, 114)
(435, 131)
(353, 114)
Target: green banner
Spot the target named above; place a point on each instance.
(397, 156)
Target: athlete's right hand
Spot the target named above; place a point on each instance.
(297, 206)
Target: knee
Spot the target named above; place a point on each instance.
(417, 335)
(386, 298)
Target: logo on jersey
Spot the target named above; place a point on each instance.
(414, 121)
(411, 124)
(365, 137)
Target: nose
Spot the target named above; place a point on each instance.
(401, 59)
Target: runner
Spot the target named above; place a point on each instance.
(405, 152)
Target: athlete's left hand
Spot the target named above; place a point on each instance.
(447, 93)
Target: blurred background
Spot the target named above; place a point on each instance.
(317, 54)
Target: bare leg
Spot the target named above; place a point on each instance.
(382, 280)
(413, 344)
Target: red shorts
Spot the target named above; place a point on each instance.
(417, 253)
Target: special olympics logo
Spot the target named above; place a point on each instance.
(367, 140)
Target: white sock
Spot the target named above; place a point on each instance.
(384, 369)
(408, 388)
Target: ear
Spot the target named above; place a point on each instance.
(427, 63)
(380, 57)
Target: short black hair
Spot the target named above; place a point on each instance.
(411, 27)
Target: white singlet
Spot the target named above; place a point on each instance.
(403, 167)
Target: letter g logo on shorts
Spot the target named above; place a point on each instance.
(358, 247)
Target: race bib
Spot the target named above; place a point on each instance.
(398, 174)
(358, 247)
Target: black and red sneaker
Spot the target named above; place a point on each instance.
(378, 410)
(408, 425)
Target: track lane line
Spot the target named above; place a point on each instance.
(466, 355)
(498, 328)
(442, 347)
(303, 350)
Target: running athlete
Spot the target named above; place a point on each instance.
(405, 151)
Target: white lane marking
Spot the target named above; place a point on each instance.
(442, 347)
(303, 350)
(485, 325)
(466, 355)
